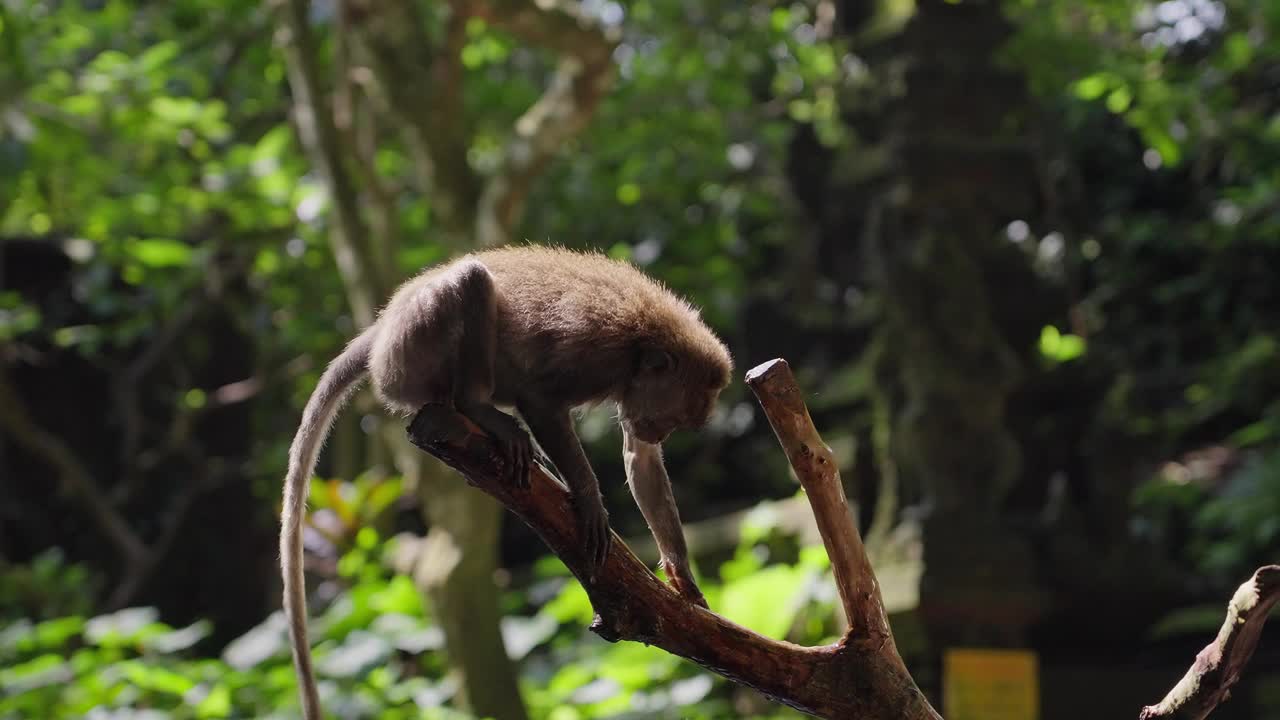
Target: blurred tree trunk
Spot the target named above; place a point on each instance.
(915, 205)
(962, 170)
(418, 83)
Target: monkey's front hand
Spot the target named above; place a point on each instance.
(681, 578)
(593, 529)
(519, 450)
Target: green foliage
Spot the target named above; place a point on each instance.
(1176, 226)
(45, 588)
(155, 142)
(1221, 534)
(720, 85)
(377, 653)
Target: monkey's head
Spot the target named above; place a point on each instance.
(674, 388)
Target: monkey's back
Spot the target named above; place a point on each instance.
(559, 308)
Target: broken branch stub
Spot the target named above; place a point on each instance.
(1218, 666)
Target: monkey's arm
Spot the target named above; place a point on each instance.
(651, 488)
(553, 429)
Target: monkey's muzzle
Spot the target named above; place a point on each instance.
(650, 432)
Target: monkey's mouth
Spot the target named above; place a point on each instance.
(648, 431)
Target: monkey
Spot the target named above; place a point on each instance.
(542, 330)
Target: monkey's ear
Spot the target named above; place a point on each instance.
(655, 362)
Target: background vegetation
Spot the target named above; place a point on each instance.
(1023, 255)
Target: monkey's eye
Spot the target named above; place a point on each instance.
(656, 361)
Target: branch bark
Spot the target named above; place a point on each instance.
(1217, 668)
(860, 676)
(819, 475)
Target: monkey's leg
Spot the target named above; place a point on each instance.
(651, 488)
(554, 430)
(473, 384)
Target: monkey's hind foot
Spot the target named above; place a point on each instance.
(682, 580)
(511, 438)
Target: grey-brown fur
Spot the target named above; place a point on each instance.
(542, 330)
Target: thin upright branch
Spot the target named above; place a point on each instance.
(815, 466)
(861, 676)
(1217, 668)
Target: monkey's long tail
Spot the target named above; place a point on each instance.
(338, 380)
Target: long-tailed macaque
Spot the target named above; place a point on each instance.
(544, 331)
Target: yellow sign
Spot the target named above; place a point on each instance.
(990, 685)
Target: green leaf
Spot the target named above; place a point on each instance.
(159, 252)
(1254, 434)
(85, 105)
(399, 596)
(1237, 52)
(380, 497)
(217, 704)
(359, 652)
(765, 601)
(195, 398)
(55, 633)
(571, 606)
(1058, 347)
(42, 671)
(176, 111)
(1093, 86)
(157, 679)
(157, 55)
(272, 144)
(1158, 137)
(123, 627)
(780, 19)
(628, 193)
(178, 640)
(1118, 100)
(800, 110)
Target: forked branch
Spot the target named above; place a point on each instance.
(861, 676)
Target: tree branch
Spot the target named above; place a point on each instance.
(74, 476)
(401, 58)
(423, 90)
(861, 676)
(819, 475)
(323, 146)
(1217, 668)
(582, 78)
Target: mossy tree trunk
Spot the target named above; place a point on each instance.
(962, 170)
